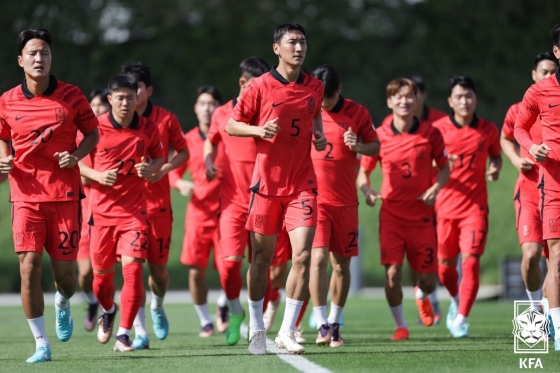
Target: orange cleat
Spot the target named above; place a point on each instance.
(401, 334)
(425, 310)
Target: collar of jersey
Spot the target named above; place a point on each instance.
(50, 89)
(413, 129)
(472, 124)
(234, 101)
(133, 124)
(558, 76)
(148, 110)
(283, 80)
(339, 105)
(426, 113)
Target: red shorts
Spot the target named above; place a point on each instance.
(83, 248)
(110, 243)
(337, 229)
(527, 212)
(267, 214)
(52, 225)
(160, 238)
(462, 236)
(419, 243)
(197, 243)
(232, 233)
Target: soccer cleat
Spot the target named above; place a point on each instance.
(91, 317)
(257, 343)
(123, 344)
(160, 323)
(141, 342)
(324, 335)
(551, 330)
(270, 313)
(287, 340)
(425, 310)
(401, 334)
(299, 338)
(460, 331)
(312, 322)
(233, 333)
(105, 329)
(206, 331)
(451, 315)
(64, 324)
(42, 354)
(222, 319)
(336, 339)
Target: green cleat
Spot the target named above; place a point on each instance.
(233, 333)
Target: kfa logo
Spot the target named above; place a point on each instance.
(140, 148)
(530, 328)
(311, 104)
(529, 363)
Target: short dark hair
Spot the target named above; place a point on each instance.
(395, 86)
(122, 81)
(463, 81)
(281, 30)
(140, 71)
(34, 33)
(101, 93)
(330, 78)
(254, 66)
(211, 90)
(419, 82)
(545, 56)
(555, 33)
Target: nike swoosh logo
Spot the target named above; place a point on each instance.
(274, 105)
(305, 219)
(67, 252)
(108, 149)
(550, 106)
(19, 118)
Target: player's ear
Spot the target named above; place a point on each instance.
(389, 103)
(20, 60)
(150, 90)
(534, 75)
(449, 102)
(242, 82)
(339, 91)
(276, 49)
(556, 51)
(109, 98)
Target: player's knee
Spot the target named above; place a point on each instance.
(29, 267)
(319, 260)
(301, 260)
(196, 273)
(427, 282)
(158, 272)
(393, 274)
(341, 267)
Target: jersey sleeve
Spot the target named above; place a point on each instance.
(5, 130)
(85, 118)
(494, 147)
(176, 137)
(509, 122)
(155, 149)
(367, 130)
(368, 162)
(214, 135)
(526, 117)
(320, 96)
(439, 154)
(248, 105)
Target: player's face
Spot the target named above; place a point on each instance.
(292, 48)
(244, 82)
(556, 52)
(98, 106)
(462, 101)
(204, 108)
(544, 69)
(403, 103)
(123, 103)
(36, 59)
(143, 94)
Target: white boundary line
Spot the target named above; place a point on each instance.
(297, 361)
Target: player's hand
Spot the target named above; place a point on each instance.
(7, 164)
(371, 197)
(211, 171)
(451, 159)
(143, 168)
(108, 178)
(270, 129)
(66, 160)
(185, 187)
(320, 141)
(493, 172)
(523, 164)
(539, 152)
(429, 196)
(350, 139)
(85, 180)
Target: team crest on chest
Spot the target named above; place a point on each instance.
(419, 150)
(342, 127)
(140, 148)
(59, 113)
(480, 145)
(311, 104)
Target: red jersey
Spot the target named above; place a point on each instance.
(465, 193)
(239, 162)
(38, 127)
(170, 134)
(542, 100)
(430, 116)
(204, 203)
(536, 135)
(406, 165)
(283, 164)
(336, 166)
(122, 148)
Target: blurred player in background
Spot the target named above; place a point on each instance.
(462, 205)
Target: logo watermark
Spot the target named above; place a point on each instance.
(530, 328)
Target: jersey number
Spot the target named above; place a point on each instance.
(353, 238)
(143, 242)
(429, 258)
(405, 167)
(45, 136)
(74, 240)
(465, 160)
(328, 155)
(162, 247)
(130, 164)
(295, 128)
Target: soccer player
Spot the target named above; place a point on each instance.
(406, 220)
(100, 105)
(542, 101)
(462, 205)
(349, 128)
(118, 221)
(201, 222)
(281, 110)
(159, 205)
(41, 118)
(526, 196)
(237, 168)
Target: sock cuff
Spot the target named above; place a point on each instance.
(335, 306)
(255, 302)
(294, 301)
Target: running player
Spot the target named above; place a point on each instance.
(462, 205)
(526, 196)
(41, 118)
(201, 222)
(237, 167)
(100, 105)
(118, 221)
(542, 101)
(282, 111)
(349, 128)
(406, 220)
(159, 205)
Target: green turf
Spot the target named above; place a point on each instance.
(366, 334)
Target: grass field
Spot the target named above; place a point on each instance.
(367, 346)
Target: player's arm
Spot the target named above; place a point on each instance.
(494, 167)
(180, 157)
(6, 159)
(528, 113)
(429, 196)
(320, 141)
(107, 178)
(495, 155)
(176, 181)
(210, 151)
(363, 184)
(148, 170)
(509, 149)
(242, 129)
(351, 141)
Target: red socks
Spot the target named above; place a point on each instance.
(301, 313)
(449, 277)
(104, 288)
(230, 277)
(131, 295)
(274, 294)
(469, 284)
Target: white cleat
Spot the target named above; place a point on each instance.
(287, 340)
(257, 343)
(299, 337)
(270, 313)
